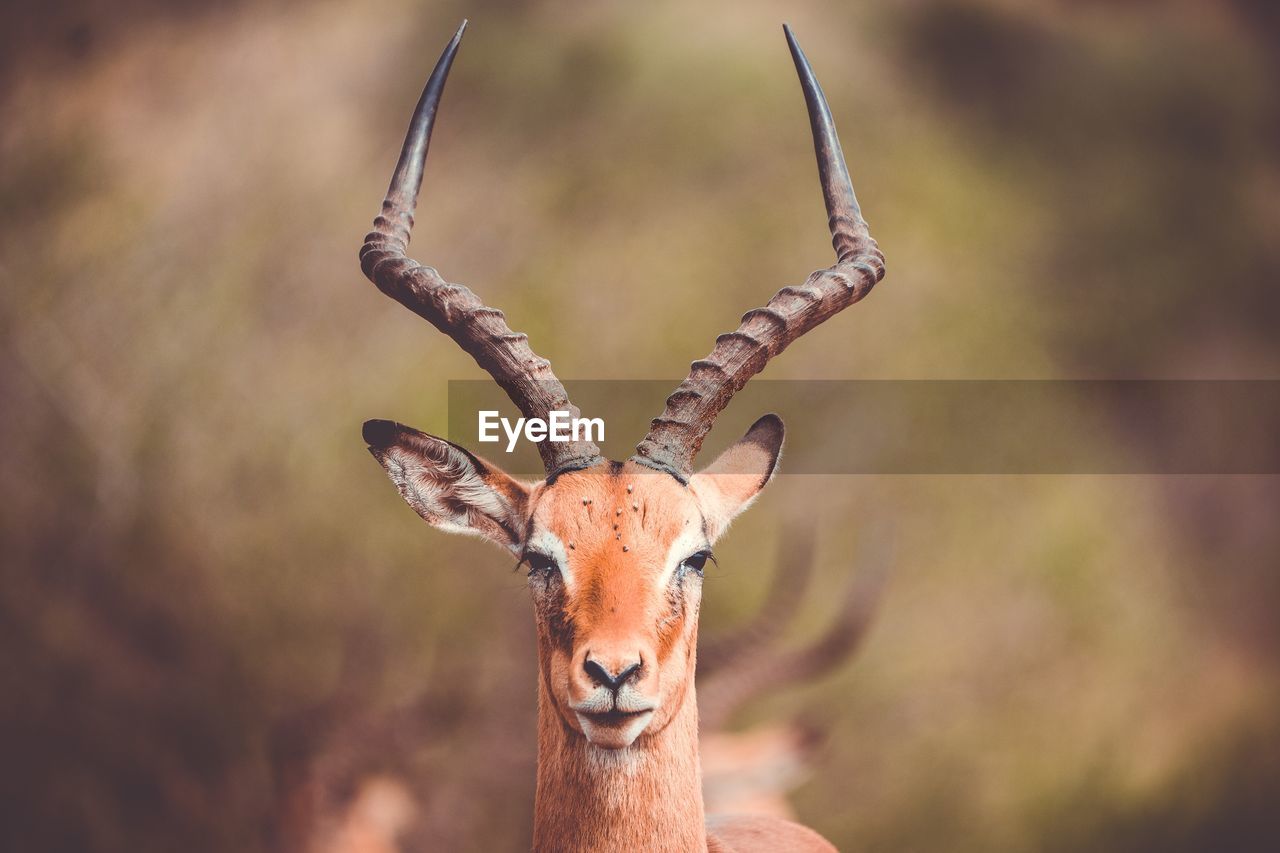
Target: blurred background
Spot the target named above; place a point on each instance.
(221, 629)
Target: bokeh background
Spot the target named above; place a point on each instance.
(219, 626)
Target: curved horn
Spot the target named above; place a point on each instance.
(676, 436)
(452, 308)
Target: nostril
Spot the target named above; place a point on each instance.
(601, 676)
(628, 673)
(597, 673)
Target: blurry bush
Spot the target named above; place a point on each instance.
(192, 534)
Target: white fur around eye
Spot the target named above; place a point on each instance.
(690, 540)
(548, 543)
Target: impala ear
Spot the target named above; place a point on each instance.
(728, 486)
(450, 487)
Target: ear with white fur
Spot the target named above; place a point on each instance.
(728, 486)
(450, 487)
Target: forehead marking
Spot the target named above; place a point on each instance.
(576, 527)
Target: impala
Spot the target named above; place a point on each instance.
(615, 550)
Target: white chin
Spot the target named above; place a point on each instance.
(614, 736)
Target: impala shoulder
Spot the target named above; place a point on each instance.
(749, 833)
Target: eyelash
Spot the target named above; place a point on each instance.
(697, 562)
(540, 563)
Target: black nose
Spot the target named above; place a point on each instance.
(600, 675)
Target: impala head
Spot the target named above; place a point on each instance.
(614, 554)
(614, 551)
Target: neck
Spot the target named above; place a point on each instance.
(645, 797)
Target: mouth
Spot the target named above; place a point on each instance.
(613, 729)
(614, 717)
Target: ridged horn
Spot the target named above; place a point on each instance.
(452, 308)
(676, 436)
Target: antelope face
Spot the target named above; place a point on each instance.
(615, 568)
(615, 556)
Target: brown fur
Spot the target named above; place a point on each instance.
(612, 554)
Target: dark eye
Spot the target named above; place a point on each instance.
(540, 563)
(697, 561)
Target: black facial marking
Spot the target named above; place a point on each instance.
(549, 602)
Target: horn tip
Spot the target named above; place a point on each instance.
(794, 46)
(452, 46)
